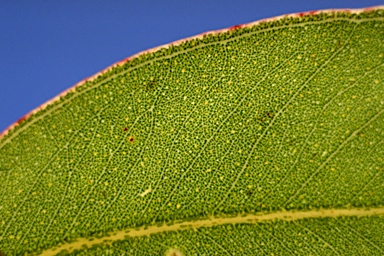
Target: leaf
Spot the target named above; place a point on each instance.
(261, 139)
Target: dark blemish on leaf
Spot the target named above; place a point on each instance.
(265, 117)
(125, 129)
(21, 119)
(151, 85)
(131, 139)
(307, 13)
(235, 27)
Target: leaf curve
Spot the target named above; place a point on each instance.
(275, 127)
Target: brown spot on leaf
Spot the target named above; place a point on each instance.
(151, 85)
(235, 27)
(265, 116)
(20, 121)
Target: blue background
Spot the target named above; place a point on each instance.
(48, 46)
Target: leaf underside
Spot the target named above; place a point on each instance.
(283, 117)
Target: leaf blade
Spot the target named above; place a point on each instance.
(258, 119)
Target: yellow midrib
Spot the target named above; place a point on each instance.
(214, 221)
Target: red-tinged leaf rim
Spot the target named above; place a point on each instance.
(20, 123)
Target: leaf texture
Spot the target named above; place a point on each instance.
(265, 139)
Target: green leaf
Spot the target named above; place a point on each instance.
(264, 139)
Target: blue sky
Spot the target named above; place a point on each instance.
(48, 46)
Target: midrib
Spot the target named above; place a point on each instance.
(214, 221)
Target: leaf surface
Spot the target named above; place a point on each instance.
(261, 139)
